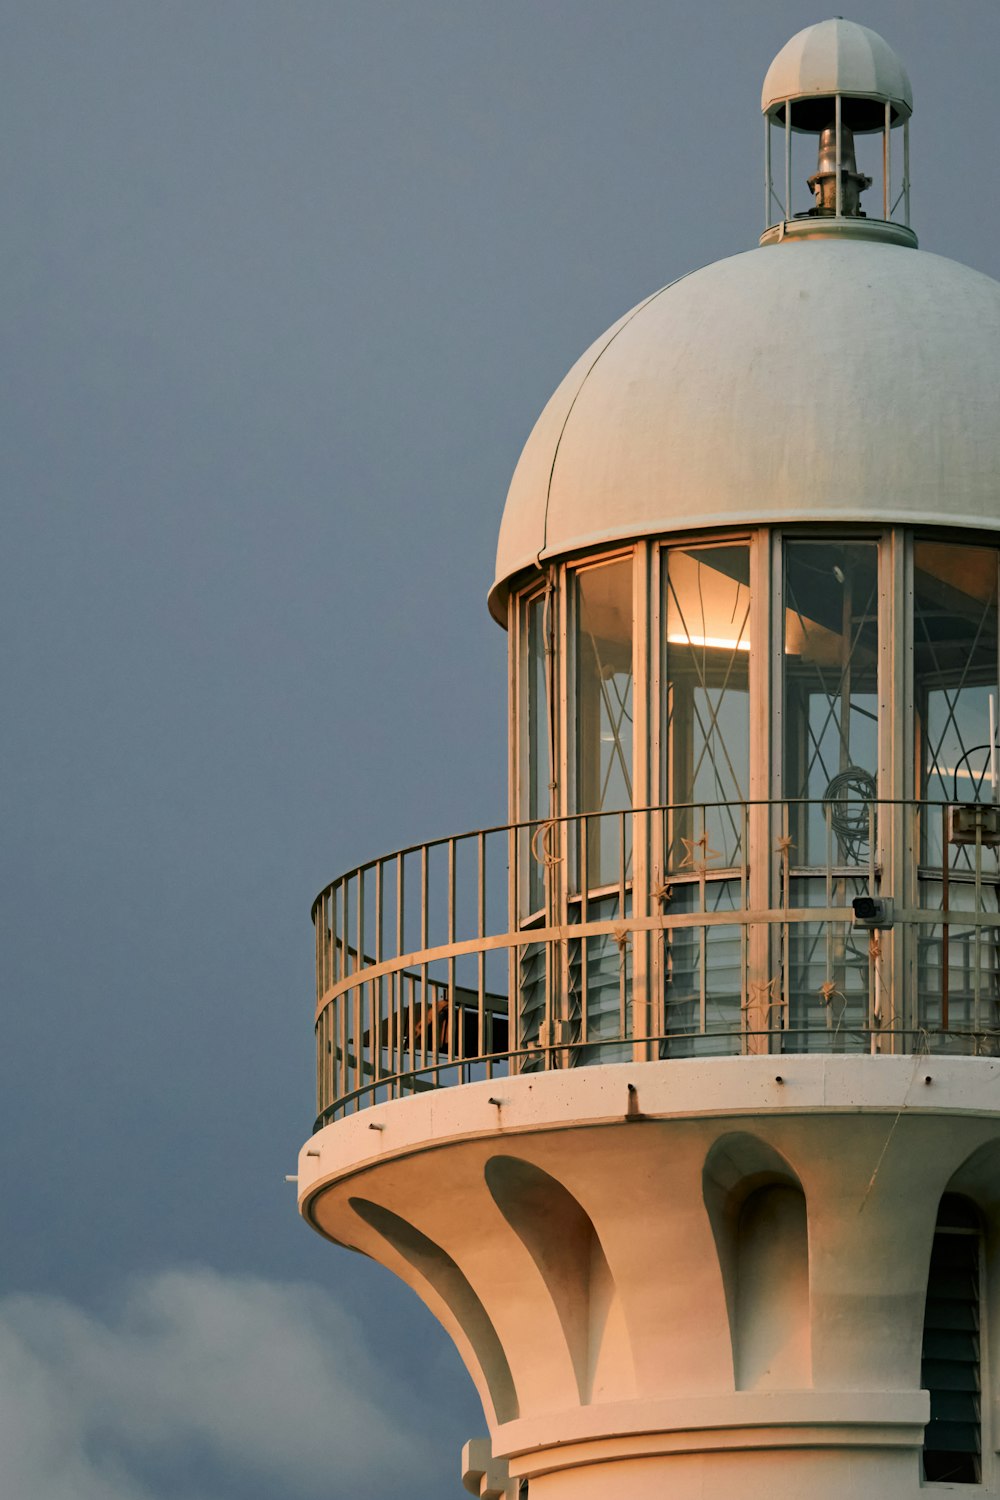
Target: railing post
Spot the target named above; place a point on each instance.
(641, 998)
(582, 826)
(515, 841)
(762, 975)
(659, 899)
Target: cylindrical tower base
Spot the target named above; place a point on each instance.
(694, 1279)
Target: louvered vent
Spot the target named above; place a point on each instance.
(950, 1365)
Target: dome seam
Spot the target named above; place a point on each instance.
(579, 391)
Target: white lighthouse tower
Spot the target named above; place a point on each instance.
(677, 1097)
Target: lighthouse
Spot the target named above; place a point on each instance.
(676, 1095)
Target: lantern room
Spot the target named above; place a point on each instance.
(748, 567)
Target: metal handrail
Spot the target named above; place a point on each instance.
(628, 935)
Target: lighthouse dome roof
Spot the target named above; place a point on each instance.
(809, 380)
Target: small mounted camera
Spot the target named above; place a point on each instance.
(872, 912)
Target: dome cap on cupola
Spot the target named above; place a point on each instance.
(837, 57)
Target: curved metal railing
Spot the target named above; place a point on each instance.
(697, 930)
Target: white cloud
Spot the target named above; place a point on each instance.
(198, 1385)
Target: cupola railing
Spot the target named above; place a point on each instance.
(495, 952)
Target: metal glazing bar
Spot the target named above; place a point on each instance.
(906, 170)
(767, 170)
(788, 158)
(886, 148)
(837, 112)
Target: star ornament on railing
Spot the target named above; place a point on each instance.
(622, 937)
(763, 994)
(690, 861)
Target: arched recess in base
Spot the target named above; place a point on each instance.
(757, 1211)
(447, 1279)
(561, 1239)
(961, 1315)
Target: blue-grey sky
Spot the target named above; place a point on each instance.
(284, 285)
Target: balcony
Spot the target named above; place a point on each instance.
(702, 930)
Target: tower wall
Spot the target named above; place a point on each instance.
(694, 1278)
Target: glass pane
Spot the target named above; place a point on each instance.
(604, 709)
(536, 705)
(704, 972)
(535, 757)
(831, 697)
(955, 670)
(828, 973)
(600, 988)
(706, 616)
